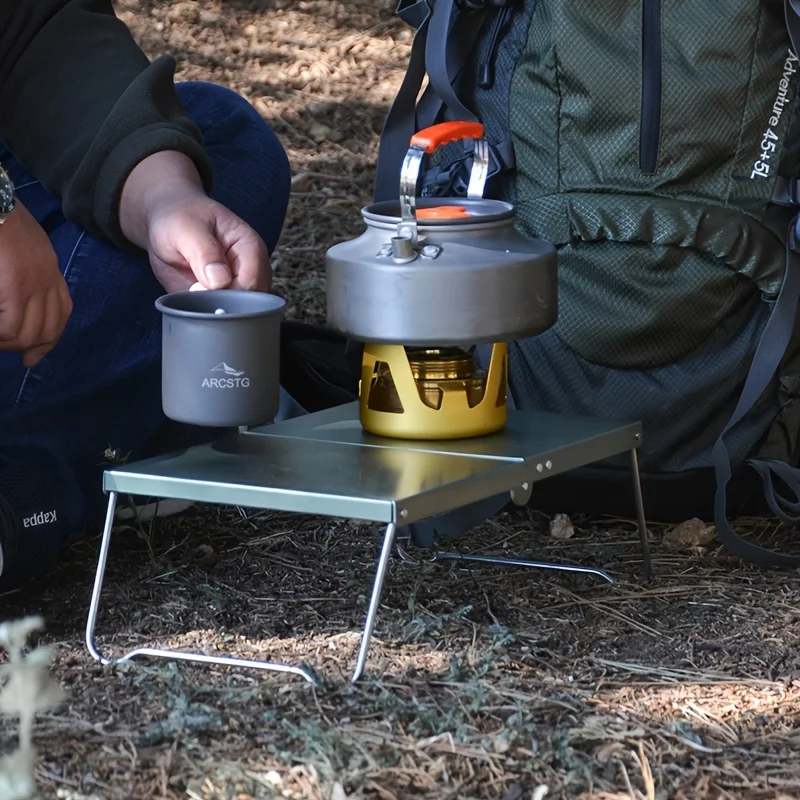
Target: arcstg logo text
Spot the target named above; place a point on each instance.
(229, 378)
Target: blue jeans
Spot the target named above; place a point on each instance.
(100, 387)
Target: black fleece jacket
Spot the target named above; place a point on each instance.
(81, 105)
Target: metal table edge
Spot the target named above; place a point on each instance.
(510, 471)
(634, 429)
(288, 500)
(416, 448)
(449, 497)
(573, 455)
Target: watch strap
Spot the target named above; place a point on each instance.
(7, 199)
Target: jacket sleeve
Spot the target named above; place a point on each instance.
(81, 105)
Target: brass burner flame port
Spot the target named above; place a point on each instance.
(432, 392)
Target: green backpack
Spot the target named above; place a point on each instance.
(656, 143)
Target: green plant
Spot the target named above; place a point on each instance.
(27, 687)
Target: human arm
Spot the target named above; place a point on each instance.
(189, 237)
(165, 211)
(34, 300)
(102, 128)
(81, 105)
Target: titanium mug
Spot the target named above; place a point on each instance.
(221, 357)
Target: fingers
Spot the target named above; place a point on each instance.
(57, 310)
(238, 246)
(35, 329)
(209, 244)
(205, 255)
(40, 331)
(249, 259)
(31, 333)
(30, 358)
(173, 279)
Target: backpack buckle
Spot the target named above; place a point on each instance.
(414, 12)
(794, 235)
(786, 191)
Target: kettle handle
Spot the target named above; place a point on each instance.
(424, 143)
(436, 136)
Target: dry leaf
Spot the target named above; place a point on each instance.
(501, 744)
(561, 527)
(71, 794)
(338, 792)
(690, 534)
(319, 132)
(601, 729)
(301, 182)
(605, 753)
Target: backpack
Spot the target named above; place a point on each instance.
(656, 144)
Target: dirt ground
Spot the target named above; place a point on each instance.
(482, 682)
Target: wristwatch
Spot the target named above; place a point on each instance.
(7, 201)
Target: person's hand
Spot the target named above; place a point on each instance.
(34, 299)
(189, 237)
(197, 240)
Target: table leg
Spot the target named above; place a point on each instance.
(377, 588)
(647, 562)
(151, 652)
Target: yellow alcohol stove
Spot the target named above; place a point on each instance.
(432, 393)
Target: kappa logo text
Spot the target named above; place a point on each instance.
(42, 518)
(230, 378)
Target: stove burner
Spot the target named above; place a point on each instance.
(432, 392)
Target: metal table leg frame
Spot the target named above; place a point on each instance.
(377, 589)
(150, 652)
(403, 555)
(520, 497)
(647, 561)
(514, 562)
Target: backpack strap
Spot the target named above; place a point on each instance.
(442, 46)
(792, 13)
(785, 510)
(769, 352)
(400, 123)
(436, 50)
